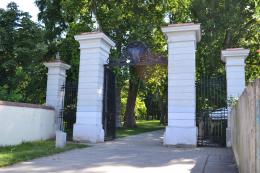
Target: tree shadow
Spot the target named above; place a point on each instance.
(140, 153)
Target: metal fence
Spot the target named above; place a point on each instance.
(68, 112)
(211, 110)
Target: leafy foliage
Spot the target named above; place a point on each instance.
(226, 24)
(22, 75)
(24, 45)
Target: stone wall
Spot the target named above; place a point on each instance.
(245, 129)
(20, 122)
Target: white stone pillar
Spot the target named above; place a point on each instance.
(56, 78)
(182, 39)
(94, 52)
(235, 72)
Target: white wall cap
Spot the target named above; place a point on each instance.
(94, 35)
(234, 53)
(57, 64)
(183, 27)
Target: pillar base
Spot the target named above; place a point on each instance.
(180, 136)
(228, 137)
(61, 139)
(88, 133)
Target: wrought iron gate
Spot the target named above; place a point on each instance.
(68, 113)
(109, 104)
(211, 111)
(136, 55)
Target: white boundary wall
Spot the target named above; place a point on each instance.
(245, 129)
(25, 122)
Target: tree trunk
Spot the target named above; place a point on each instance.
(130, 106)
(228, 40)
(148, 105)
(162, 111)
(118, 107)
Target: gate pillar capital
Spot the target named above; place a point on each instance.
(94, 52)
(234, 54)
(94, 42)
(182, 39)
(182, 32)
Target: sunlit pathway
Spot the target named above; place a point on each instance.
(136, 154)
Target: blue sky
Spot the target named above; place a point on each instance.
(24, 5)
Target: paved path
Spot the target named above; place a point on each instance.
(136, 154)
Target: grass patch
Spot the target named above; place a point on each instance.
(142, 127)
(30, 150)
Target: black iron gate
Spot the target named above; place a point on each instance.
(68, 113)
(136, 55)
(211, 111)
(109, 104)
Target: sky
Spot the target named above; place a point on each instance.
(24, 5)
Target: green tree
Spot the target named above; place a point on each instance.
(123, 21)
(225, 24)
(128, 21)
(22, 75)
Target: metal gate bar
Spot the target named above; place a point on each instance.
(211, 111)
(68, 112)
(109, 104)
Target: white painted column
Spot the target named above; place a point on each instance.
(94, 52)
(235, 72)
(56, 78)
(182, 39)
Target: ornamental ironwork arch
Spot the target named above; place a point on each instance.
(137, 54)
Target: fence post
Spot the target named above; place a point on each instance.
(182, 40)
(235, 72)
(56, 79)
(257, 91)
(94, 52)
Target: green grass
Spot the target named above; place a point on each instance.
(30, 150)
(142, 127)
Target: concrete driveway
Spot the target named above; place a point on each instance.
(136, 154)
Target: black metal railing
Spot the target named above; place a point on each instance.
(68, 112)
(211, 110)
(109, 104)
